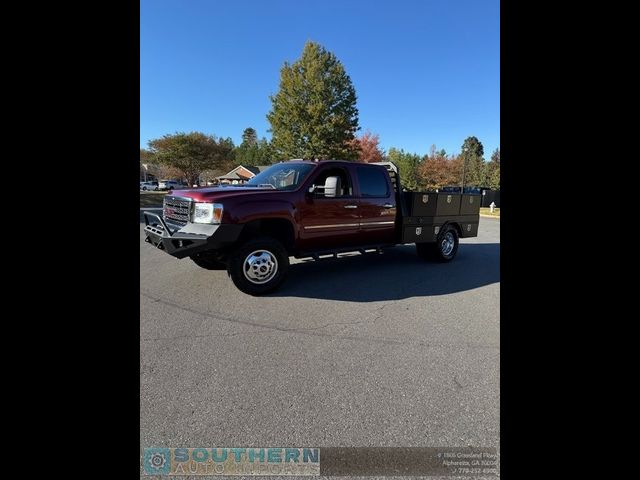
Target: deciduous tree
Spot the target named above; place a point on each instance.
(146, 156)
(191, 153)
(437, 170)
(314, 113)
(368, 148)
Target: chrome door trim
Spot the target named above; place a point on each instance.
(313, 227)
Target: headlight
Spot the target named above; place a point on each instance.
(207, 213)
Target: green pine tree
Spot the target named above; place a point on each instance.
(249, 137)
(407, 164)
(474, 164)
(493, 170)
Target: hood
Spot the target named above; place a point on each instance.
(213, 194)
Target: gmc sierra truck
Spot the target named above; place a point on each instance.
(307, 209)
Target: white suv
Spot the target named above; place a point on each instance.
(149, 186)
(170, 185)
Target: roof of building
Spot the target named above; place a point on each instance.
(257, 169)
(236, 173)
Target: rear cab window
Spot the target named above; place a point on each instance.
(372, 182)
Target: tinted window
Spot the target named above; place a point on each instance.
(373, 182)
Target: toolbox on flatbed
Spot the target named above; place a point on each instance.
(427, 212)
(432, 204)
(470, 204)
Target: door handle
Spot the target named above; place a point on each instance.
(388, 205)
(350, 206)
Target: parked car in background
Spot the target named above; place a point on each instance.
(149, 186)
(171, 185)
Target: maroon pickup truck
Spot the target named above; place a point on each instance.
(307, 209)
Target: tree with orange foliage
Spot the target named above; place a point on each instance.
(438, 170)
(368, 148)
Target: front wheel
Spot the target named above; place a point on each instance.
(259, 266)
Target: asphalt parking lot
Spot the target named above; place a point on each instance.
(376, 350)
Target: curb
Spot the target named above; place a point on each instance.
(489, 216)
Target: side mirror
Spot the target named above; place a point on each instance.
(331, 186)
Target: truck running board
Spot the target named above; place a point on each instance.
(333, 254)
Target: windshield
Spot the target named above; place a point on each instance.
(282, 176)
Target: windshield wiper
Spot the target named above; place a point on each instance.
(260, 185)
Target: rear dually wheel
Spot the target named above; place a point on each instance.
(445, 247)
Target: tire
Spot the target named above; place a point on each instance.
(444, 249)
(208, 261)
(259, 266)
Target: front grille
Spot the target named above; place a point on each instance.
(176, 211)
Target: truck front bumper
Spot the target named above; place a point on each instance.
(190, 239)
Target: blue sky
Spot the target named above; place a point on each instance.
(425, 71)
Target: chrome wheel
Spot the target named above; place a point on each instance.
(447, 244)
(260, 266)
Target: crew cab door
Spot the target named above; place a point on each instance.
(376, 204)
(329, 222)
